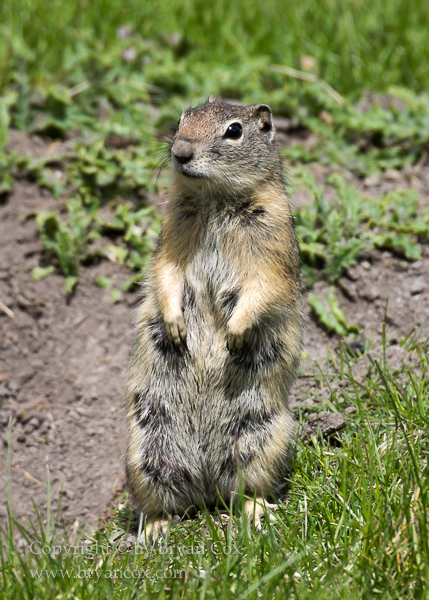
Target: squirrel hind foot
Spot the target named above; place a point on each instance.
(154, 527)
(257, 511)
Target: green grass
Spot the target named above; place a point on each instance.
(355, 524)
(60, 63)
(355, 44)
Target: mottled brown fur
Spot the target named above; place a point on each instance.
(219, 331)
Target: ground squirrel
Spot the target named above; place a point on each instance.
(219, 330)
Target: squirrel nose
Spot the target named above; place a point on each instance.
(183, 152)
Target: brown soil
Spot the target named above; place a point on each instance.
(63, 360)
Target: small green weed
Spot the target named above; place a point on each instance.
(330, 314)
(70, 241)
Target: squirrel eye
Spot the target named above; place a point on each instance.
(234, 131)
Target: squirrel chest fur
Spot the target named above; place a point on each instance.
(219, 331)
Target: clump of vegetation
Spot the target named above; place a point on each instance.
(333, 234)
(67, 243)
(70, 241)
(330, 314)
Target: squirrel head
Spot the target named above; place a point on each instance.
(225, 148)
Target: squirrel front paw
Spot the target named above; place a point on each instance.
(176, 329)
(236, 337)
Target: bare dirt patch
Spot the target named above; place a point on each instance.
(63, 363)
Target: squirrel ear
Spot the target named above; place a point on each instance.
(212, 99)
(264, 115)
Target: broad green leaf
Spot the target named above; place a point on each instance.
(132, 282)
(330, 314)
(116, 254)
(115, 295)
(39, 273)
(71, 282)
(103, 282)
